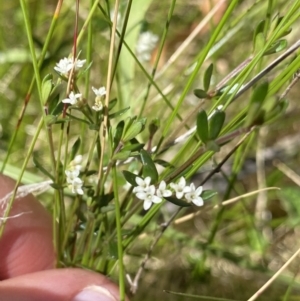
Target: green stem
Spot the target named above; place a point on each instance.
(28, 95)
(119, 235)
(37, 76)
(197, 68)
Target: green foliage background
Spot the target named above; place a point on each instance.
(229, 252)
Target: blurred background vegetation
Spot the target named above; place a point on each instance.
(221, 253)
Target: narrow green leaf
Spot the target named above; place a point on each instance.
(213, 146)
(133, 131)
(259, 41)
(133, 146)
(122, 155)
(149, 169)
(256, 102)
(91, 172)
(200, 93)
(61, 120)
(75, 148)
(276, 47)
(118, 134)
(153, 126)
(163, 163)
(216, 124)
(107, 208)
(258, 30)
(113, 250)
(202, 126)
(207, 77)
(46, 87)
(50, 119)
(103, 200)
(178, 202)
(135, 128)
(56, 186)
(77, 118)
(260, 93)
(55, 106)
(40, 167)
(112, 103)
(278, 110)
(94, 127)
(118, 113)
(208, 194)
(130, 177)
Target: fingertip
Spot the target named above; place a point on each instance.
(60, 285)
(27, 242)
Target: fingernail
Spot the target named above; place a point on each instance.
(94, 293)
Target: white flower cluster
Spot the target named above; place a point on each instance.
(65, 65)
(146, 192)
(145, 45)
(99, 94)
(72, 174)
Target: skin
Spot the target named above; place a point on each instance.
(27, 265)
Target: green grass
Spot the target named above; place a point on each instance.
(226, 252)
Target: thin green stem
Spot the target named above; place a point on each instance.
(160, 50)
(119, 235)
(28, 94)
(197, 68)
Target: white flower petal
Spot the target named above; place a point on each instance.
(79, 64)
(150, 189)
(99, 92)
(77, 159)
(199, 190)
(97, 107)
(167, 193)
(181, 182)
(141, 195)
(139, 181)
(147, 181)
(155, 199)
(179, 195)
(198, 201)
(138, 189)
(79, 191)
(147, 204)
(162, 185)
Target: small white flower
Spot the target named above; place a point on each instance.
(148, 196)
(71, 175)
(99, 92)
(76, 186)
(79, 64)
(73, 98)
(77, 159)
(97, 107)
(145, 44)
(143, 184)
(64, 66)
(194, 195)
(75, 163)
(162, 191)
(112, 15)
(180, 188)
